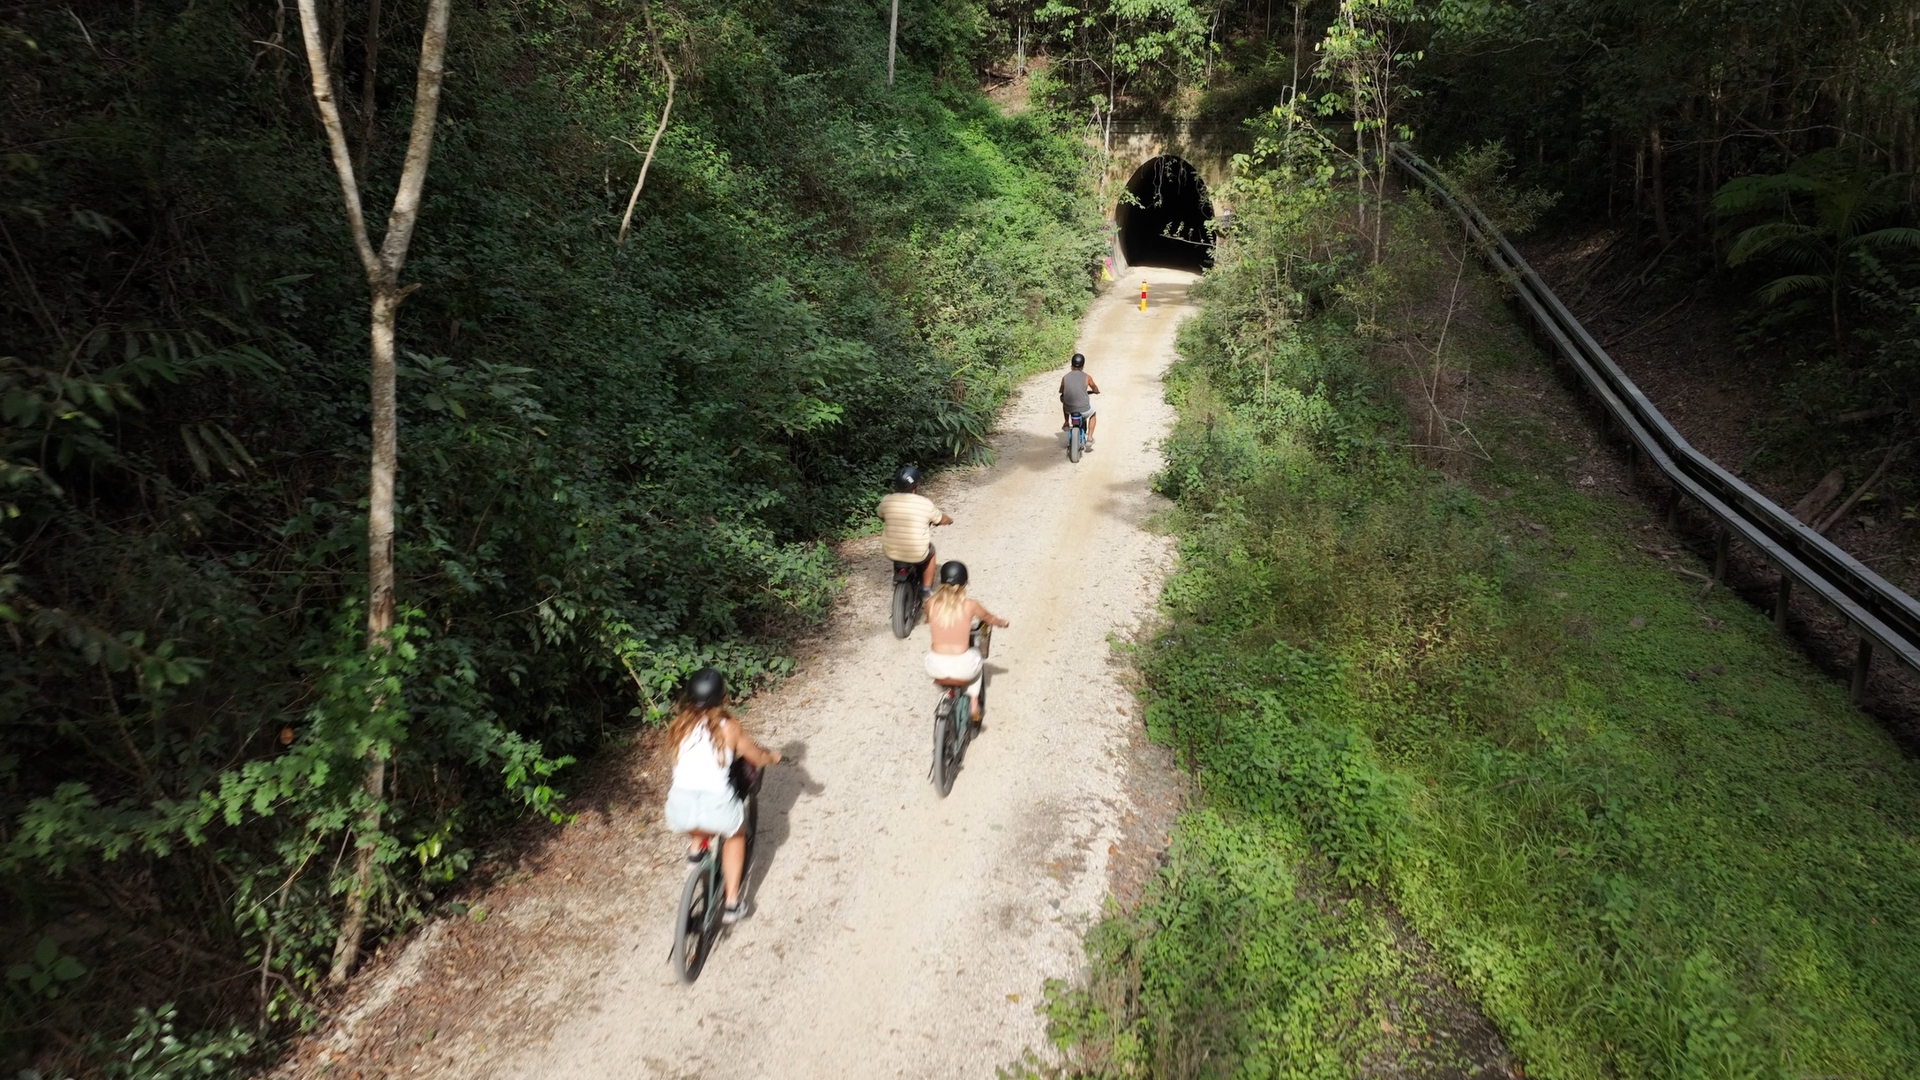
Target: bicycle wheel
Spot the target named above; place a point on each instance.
(1074, 438)
(693, 929)
(752, 828)
(903, 608)
(946, 746)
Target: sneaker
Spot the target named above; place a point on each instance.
(1088, 445)
(926, 592)
(733, 913)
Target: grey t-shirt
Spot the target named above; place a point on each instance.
(1073, 393)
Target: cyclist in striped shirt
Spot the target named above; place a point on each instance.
(908, 517)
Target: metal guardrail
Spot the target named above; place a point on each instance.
(1880, 614)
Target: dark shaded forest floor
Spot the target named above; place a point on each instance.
(1675, 335)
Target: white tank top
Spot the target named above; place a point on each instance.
(699, 767)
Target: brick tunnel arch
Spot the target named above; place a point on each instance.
(1165, 221)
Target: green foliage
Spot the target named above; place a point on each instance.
(1644, 833)
(617, 465)
(151, 1050)
(1822, 214)
(47, 971)
(1116, 54)
(1481, 174)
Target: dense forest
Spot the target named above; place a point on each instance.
(616, 461)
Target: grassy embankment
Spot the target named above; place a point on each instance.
(1641, 830)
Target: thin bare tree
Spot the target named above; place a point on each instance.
(666, 111)
(382, 265)
(893, 34)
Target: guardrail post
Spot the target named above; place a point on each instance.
(1780, 602)
(1720, 541)
(1862, 661)
(1673, 512)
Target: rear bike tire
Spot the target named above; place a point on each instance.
(904, 608)
(946, 745)
(694, 927)
(1074, 439)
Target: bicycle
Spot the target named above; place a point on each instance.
(704, 897)
(951, 729)
(1076, 435)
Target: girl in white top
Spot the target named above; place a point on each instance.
(706, 739)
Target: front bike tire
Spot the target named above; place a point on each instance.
(903, 612)
(946, 746)
(1074, 439)
(751, 825)
(694, 927)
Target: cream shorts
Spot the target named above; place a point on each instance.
(704, 811)
(957, 667)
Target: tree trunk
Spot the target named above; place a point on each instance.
(1020, 48)
(893, 35)
(383, 274)
(1293, 94)
(367, 88)
(1659, 187)
(665, 111)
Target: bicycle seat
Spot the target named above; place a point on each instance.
(953, 682)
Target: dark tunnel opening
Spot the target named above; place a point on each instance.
(1168, 227)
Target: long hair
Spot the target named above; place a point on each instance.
(948, 603)
(688, 718)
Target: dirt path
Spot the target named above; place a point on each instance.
(895, 933)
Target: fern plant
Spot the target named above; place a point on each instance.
(1824, 212)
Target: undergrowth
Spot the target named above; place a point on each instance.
(1642, 832)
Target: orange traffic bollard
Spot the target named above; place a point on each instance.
(1143, 296)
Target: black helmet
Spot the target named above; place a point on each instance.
(953, 573)
(707, 689)
(906, 479)
(1079, 361)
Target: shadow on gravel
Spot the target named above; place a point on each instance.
(782, 788)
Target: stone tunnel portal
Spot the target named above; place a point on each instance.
(1165, 221)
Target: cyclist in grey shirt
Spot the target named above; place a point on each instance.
(1075, 388)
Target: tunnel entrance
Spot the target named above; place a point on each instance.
(1168, 227)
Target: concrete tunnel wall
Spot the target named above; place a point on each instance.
(1133, 145)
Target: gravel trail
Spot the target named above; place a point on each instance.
(894, 933)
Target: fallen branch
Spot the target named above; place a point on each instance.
(1815, 502)
(1874, 413)
(1657, 320)
(1860, 491)
(666, 111)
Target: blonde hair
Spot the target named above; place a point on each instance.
(947, 604)
(688, 718)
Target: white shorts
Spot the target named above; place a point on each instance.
(958, 667)
(705, 811)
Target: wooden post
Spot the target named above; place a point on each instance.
(1862, 662)
(1673, 512)
(1720, 542)
(1780, 601)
